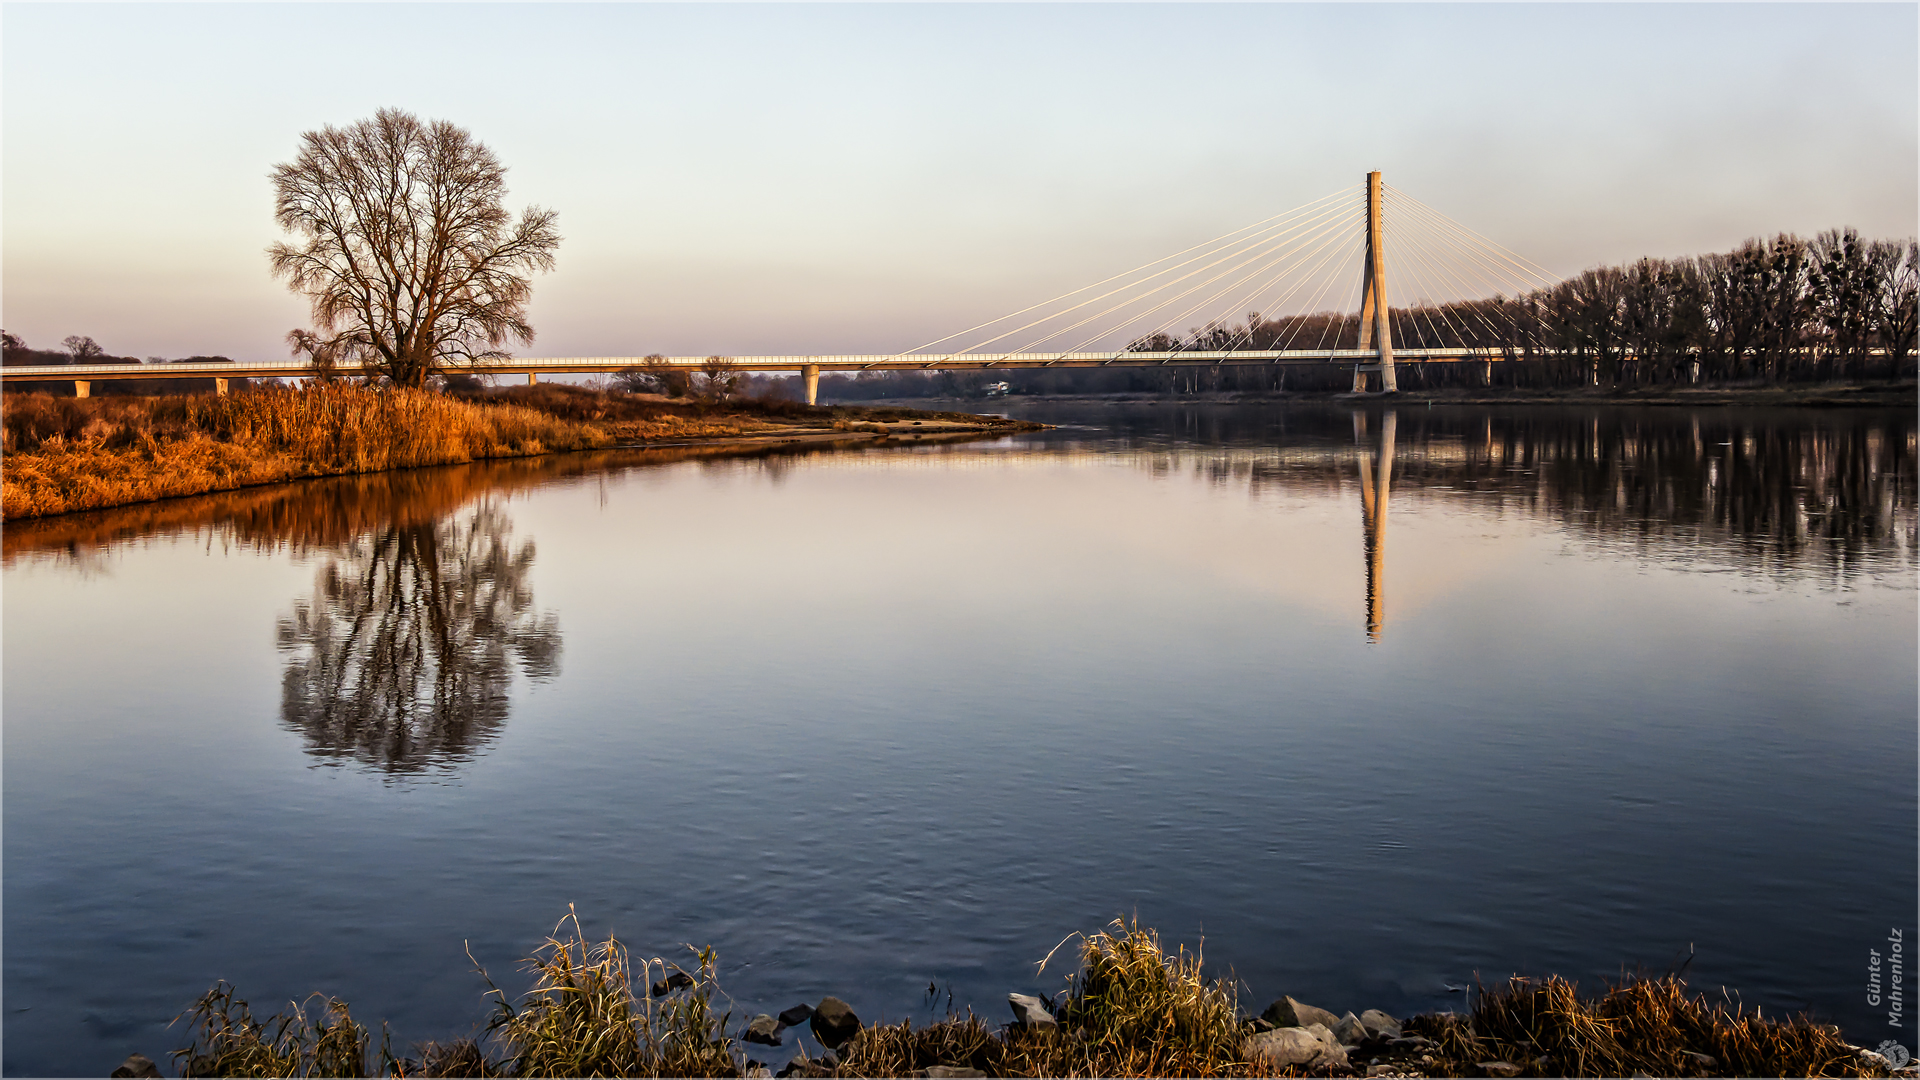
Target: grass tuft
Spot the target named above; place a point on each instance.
(585, 1017)
(228, 1041)
(1648, 1026)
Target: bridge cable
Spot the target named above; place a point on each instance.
(1333, 231)
(1266, 225)
(1259, 248)
(1314, 228)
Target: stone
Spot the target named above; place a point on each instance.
(137, 1065)
(834, 1022)
(1260, 1023)
(1287, 1012)
(1500, 1068)
(796, 1016)
(1029, 1011)
(1380, 1025)
(763, 1029)
(676, 981)
(1349, 1030)
(953, 1072)
(1706, 1061)
(757, 1071)
(1312, 1047)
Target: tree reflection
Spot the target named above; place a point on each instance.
(404, 656)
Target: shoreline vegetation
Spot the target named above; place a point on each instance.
(64, 455)
(1904, 392)
(1131, 1008)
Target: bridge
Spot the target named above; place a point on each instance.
(1294, 260)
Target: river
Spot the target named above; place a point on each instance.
(1372, 702)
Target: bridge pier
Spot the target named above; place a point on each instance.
(810, 375)
(533, 378)
(1376, 326)
(220, 387)
(82, 388)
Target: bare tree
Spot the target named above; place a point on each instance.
(673, 381)
(322, 353)
(404, 247)
(82, 349)
(721, 377)
(1897, 308)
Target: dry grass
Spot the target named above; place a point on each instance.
(591, 1013)
(1646, 1026)
(1132, 1009)
(228, 1041)
(67, 454)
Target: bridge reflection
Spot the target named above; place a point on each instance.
(1376, 478)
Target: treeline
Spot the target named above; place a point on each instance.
(1780, 310)
(15, 352)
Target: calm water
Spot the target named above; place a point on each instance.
(1370, 702)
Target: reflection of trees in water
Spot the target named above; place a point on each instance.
(1789, 490)
(1775, 492)
(404, 656)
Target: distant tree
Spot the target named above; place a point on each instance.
(1842, 287)
(321, 353)
(405, 248)
(12, 342)
(82, 349)
(1897, 306)
(673, 380)
(720, 378)
(654, 375)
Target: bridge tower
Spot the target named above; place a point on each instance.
(1375, 329)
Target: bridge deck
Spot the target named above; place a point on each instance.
(844, 362)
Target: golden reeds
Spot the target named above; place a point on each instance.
(228, 1041)
(1131, 1009)
(66, 454)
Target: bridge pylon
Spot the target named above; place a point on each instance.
(1376, 330)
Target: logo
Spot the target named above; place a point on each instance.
(1895, 1054)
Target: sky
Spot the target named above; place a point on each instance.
(748, 179)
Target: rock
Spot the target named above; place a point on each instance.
(1349, 1030)
(1312, 1046)
(1706, 1061)
(756, 1071)
(1409, 1042)
(953, 1071)
(1029, 1011)
(1260, 1023)
(763, 1029)
(1380, 1025)
(668, 985)
(1289, 1013)
(137, 1065)
(1499, 1068)
(796, 1016)
(834, 1022)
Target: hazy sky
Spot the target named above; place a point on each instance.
(794, 178)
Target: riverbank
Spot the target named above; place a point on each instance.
(65, 455)
(1823, 395)
(1131, 1009)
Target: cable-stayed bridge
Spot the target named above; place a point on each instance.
(1326, 263)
